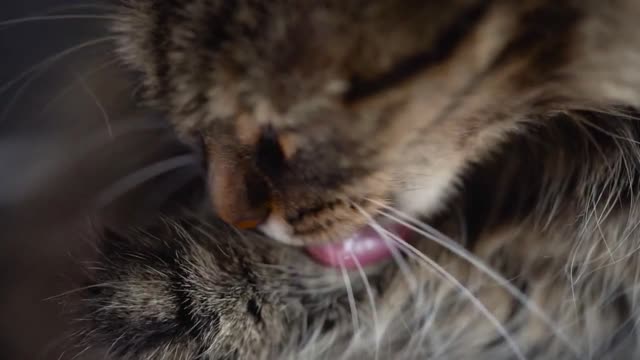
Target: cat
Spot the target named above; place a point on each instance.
(400, 179)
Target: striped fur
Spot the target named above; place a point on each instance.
(509, 126)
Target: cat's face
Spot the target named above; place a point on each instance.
(314, 113)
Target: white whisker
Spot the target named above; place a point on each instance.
(84, 75)
(98, 103)
(463, 253)
(87, 348)
(372, 302)
(115, 342)
(432, 265)
(397, 257)
(351, 298)
(52, 59)
(30, 19)
(143, 175)
(18, 93)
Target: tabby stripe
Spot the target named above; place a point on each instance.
(213, 31)
(217, 26)
(544, 34)
(160, 42)
(442, 49)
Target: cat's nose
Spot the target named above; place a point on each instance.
(241, 192)
(240, 195)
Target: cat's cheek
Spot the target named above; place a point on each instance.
(426, 195)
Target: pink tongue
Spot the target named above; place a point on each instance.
(365, 247)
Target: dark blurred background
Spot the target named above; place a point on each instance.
(74, 143)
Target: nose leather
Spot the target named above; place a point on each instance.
(240, 195)
(238, 177)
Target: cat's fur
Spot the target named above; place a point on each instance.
(509, 125)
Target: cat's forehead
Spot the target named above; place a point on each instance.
(317, 47)
(208, 59)
(325, 41)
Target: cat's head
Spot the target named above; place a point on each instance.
(313, 114)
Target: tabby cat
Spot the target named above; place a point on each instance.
(388, 179)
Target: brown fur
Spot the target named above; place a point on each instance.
(510, 125)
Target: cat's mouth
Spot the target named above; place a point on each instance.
(370, 245)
